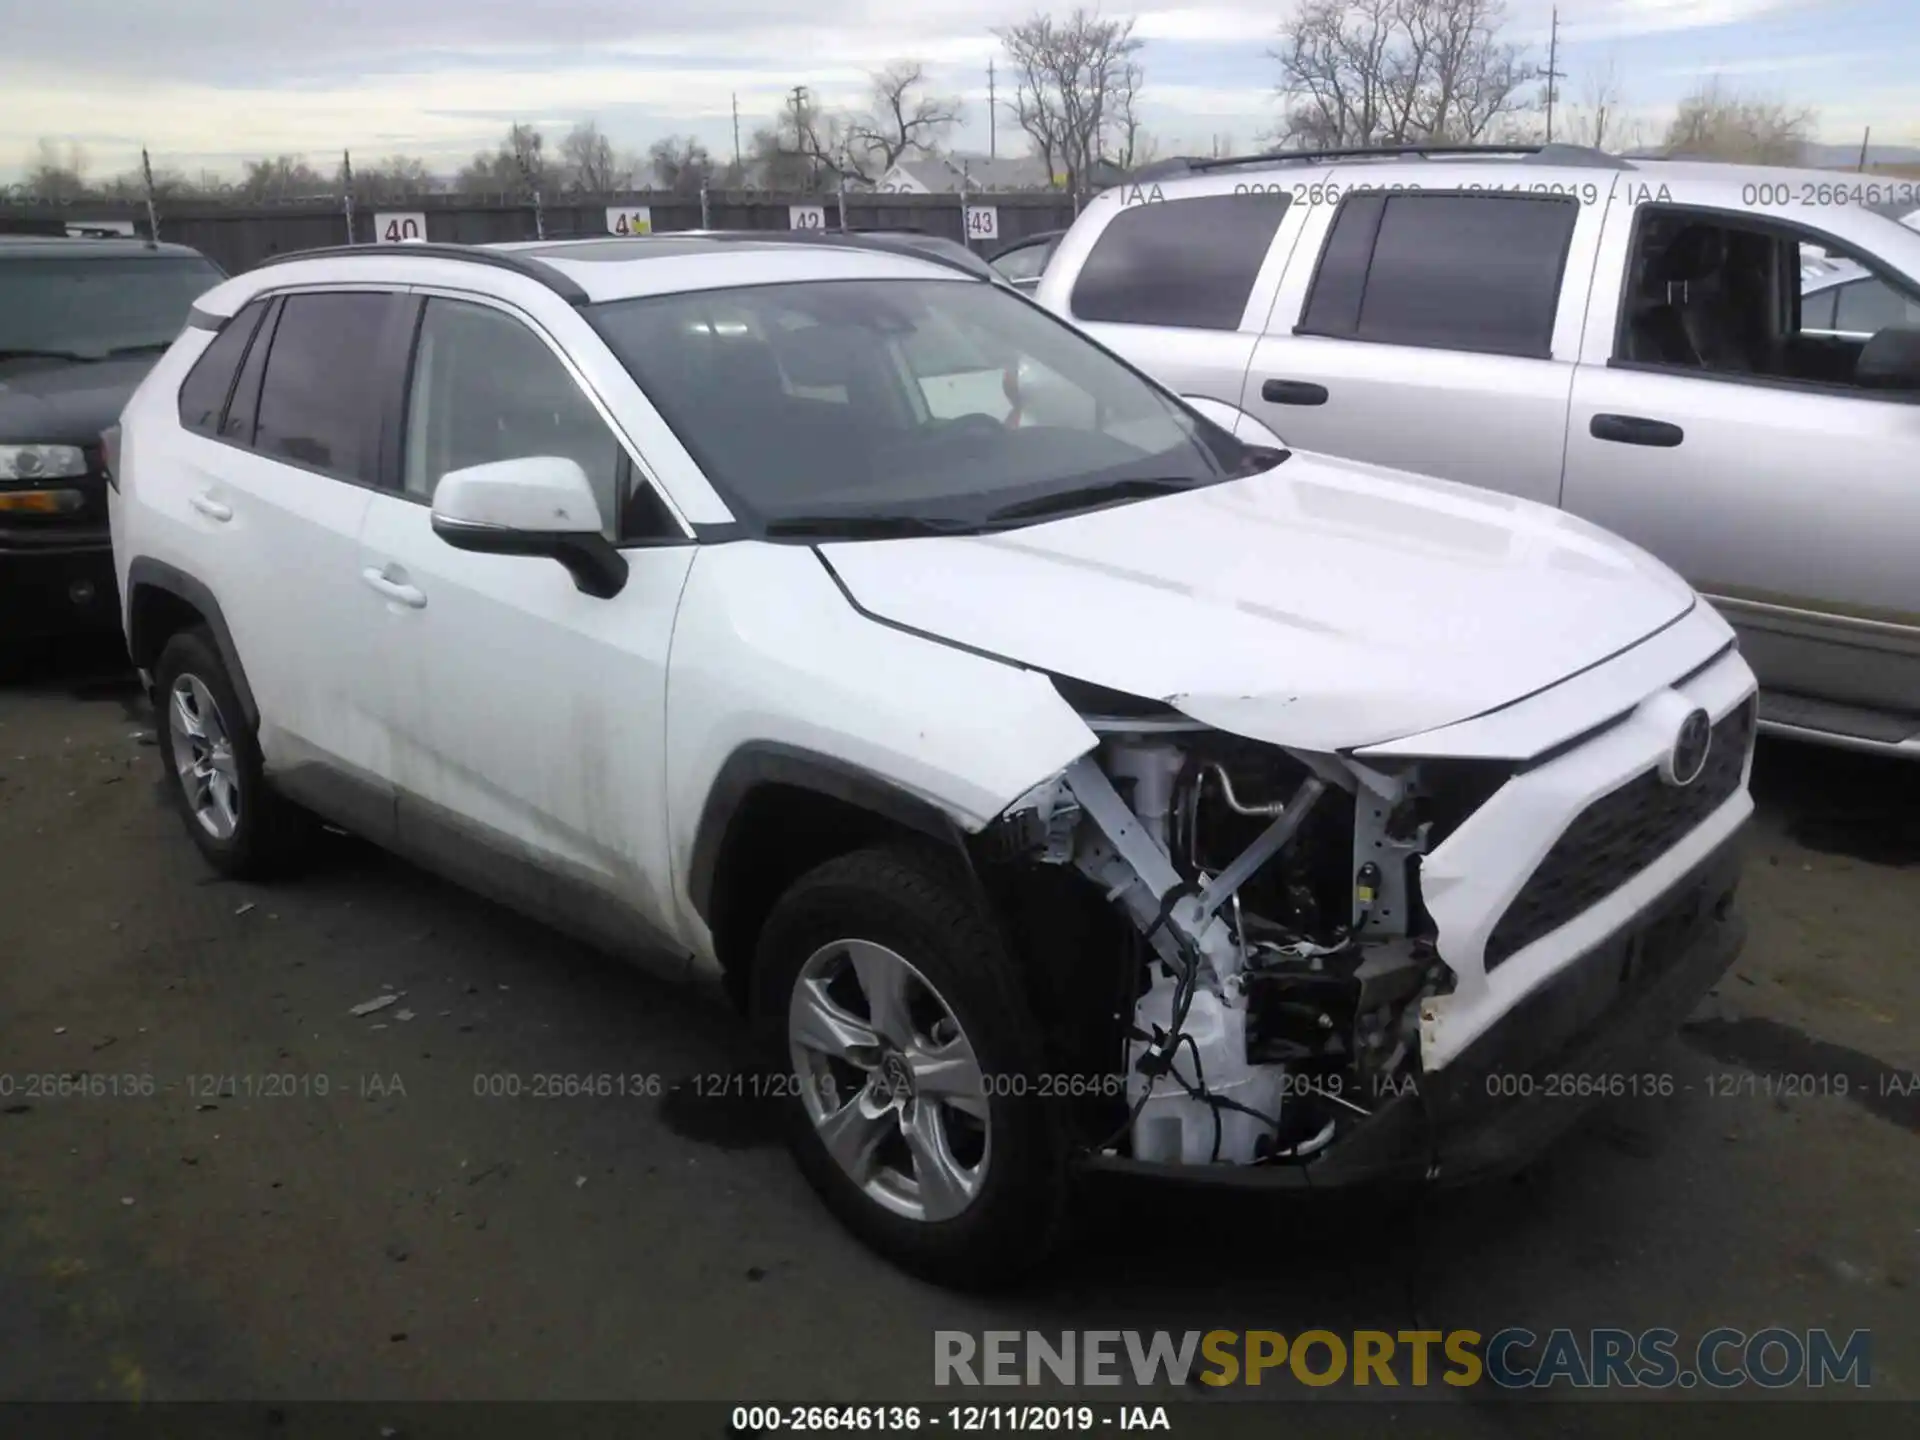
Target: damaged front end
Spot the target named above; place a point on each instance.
(1240, 970)
(1275, 955)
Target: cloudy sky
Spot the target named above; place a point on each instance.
(207, 83)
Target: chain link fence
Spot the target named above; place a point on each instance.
(238, 235)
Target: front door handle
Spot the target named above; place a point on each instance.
(1293, 392)
(408, 595)
(1635, 430)
(212, 508)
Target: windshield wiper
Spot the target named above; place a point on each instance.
(868, 527)
(148, 347)
(1064, 501)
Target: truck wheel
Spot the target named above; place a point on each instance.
(213, 766)
(917, 1111)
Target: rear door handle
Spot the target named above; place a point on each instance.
(408, 595)
(1635, 430)
(211, 508)
(1293, 392)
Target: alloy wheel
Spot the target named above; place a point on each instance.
(203, 754)
(889, 1080)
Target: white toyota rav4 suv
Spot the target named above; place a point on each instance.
(1057, 780)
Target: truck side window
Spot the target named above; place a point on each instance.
(1185, 263)
(1713, 295)
(1445, 271)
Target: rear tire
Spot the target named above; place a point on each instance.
(246, 831)
(980, 1153)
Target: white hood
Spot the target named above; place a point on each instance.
(1325, 604)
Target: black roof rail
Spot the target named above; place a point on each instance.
(1537, 154)
(566, 288)
(912, 243)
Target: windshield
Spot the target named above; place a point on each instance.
(850, 406)
(90, 307)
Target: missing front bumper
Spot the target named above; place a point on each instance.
(1519, 1086)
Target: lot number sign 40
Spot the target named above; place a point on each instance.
(629, 220)
(395, 227)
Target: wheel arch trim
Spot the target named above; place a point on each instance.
(144, 572)
(759, 764)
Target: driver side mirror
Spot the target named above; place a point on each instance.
(541, 505)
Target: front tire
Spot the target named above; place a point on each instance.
(214, 769)
(918, 1113)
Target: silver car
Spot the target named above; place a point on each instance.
(1719, 363)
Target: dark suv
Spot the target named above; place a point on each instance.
(81, 322)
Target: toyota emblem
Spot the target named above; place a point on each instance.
(1690, 748)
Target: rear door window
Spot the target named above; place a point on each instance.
(1187, 263)
(1444, 271)
(320, 400)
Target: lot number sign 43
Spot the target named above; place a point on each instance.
(395, 227)
(983, 222)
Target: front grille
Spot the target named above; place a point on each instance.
(1618, 836)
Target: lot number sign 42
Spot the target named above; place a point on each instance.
(629, 220)
(395, 227)
(806, 217)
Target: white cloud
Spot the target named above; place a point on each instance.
(212, 81)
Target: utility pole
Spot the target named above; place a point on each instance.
(993, 114)
(1863, 148)
(736, 132)
(799, 93)
(1553, 69)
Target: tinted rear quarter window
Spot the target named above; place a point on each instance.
(1444, 271)
(320, 400)
(203, 394)
(1188, 263)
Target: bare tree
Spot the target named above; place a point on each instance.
(283, 177)
(681, 164)
(902, 119)
(805, 148)
(589, 162)
(776, 159)
(1131, 145)
(58, 175)
(1068, 78)
(517, 167)
(1600, 117)
(1720, 124)
(1393, 72)
(397, 177)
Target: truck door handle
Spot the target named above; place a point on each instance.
(1635, 430)
(409, 595)
(211, 508)
(1293, 392)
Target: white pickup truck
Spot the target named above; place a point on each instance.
(1626, 339)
